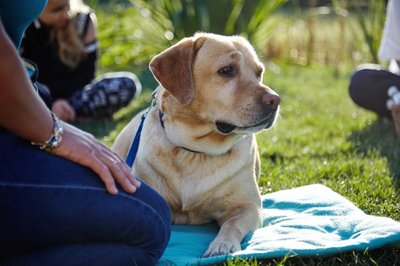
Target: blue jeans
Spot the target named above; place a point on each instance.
(56, 212)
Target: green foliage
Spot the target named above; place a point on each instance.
(182, 18)
(370, 20)
(138, 29)
(126, 38)
(371, 23)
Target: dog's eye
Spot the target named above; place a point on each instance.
(228, 71)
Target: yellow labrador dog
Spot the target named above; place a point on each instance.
(198, 147)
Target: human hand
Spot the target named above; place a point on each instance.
(64, 110)
(82, 148)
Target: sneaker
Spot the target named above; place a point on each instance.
(106, 95)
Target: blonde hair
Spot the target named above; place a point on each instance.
(71, 48)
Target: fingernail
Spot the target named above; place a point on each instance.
(113, 190)
(135, 181)
(133, 189)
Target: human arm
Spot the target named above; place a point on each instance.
(91, 31)
(22, 111)
(61, 107)
(25, 114)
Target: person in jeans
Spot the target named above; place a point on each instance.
(62, 42)
(65, 198)
(370, 83)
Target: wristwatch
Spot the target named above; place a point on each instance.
(55, 138)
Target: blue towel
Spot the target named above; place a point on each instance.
(309, 220)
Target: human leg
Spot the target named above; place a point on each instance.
(57, 212)
(368, 89)
(106, 95)
(85, 254)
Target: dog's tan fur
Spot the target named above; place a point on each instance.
(206, 175)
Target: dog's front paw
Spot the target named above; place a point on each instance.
(218, 247)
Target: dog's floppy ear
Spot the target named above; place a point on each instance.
(173, 68)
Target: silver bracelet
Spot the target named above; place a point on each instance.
(55, 138)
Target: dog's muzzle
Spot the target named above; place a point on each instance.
(270, 105)
(267, 122)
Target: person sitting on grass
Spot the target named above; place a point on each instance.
(370, 82)
(62, 42)
(65, 198)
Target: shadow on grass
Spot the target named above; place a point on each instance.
(380, 137)
(380, 256)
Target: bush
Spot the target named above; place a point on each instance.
(182, 18)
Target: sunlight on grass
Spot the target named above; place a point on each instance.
(319, 139)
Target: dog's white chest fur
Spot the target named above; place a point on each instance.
(197, 182)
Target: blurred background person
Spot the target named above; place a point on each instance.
(370, 83)
(62, 42)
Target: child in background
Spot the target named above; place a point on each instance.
(63, 44)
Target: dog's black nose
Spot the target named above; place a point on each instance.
(271, 100)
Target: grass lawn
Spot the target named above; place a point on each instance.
(320, 137)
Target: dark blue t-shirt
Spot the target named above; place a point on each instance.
(17, 15)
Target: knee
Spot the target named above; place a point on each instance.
(155, 226)
(358, 78)
(358, 81)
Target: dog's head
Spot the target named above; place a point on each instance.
(214, 84)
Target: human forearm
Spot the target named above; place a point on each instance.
(22, 111)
